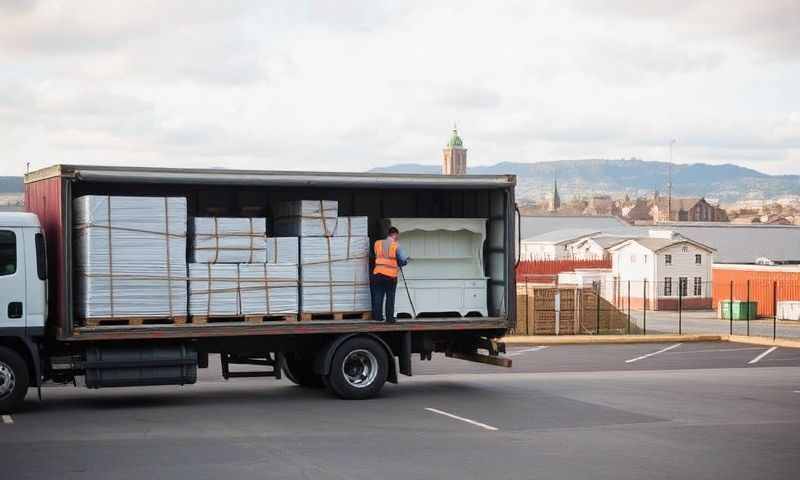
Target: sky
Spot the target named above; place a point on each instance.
(348, 85)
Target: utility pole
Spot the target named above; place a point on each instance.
(669, 182)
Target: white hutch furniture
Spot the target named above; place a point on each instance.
(446, 272)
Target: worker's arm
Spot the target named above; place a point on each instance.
(402, 258)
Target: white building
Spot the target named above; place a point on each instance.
(661, 268)
(553, 245)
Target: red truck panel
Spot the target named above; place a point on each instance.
(44, 199)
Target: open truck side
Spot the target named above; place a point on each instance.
(52, 344)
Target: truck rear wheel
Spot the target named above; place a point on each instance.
(359, 369)
(301, 371)
(14, 380)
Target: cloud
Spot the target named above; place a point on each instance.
(351, 85)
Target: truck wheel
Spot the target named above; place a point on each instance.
(301, 371)
(14, 380)
(358, 370)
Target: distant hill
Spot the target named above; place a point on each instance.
(635, 177)
(11, 185)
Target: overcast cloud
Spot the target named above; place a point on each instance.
(347, 85)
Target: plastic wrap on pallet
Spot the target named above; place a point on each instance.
(338, 286)
(305, 218)
(214, 289)
(333, 249)
(331, 227)
(269, 288)
(229, 240)
(130, 256)
(283, 250)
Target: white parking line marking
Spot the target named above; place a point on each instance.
(653, 353)
(456, 417)
(520, 352)
(7, 419)
(762, 355)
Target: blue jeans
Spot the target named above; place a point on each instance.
(383, 286)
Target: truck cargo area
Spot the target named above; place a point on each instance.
(226, 193)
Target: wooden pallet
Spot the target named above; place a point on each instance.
(305, 316)
(203, 319)
(133, 321)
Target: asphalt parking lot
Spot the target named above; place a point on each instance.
(699, 410)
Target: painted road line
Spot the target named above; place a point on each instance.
(520, 352)
(653, 353)
(762, 355)
(7, 419)
(456, 417)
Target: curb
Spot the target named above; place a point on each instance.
(607, 339)
(629, 339)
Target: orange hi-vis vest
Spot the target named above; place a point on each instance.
(386, 258)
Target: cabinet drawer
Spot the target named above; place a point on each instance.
(474, 283)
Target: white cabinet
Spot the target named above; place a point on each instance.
(446, 272)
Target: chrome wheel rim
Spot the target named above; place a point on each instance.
(7, 380)
(360, 368)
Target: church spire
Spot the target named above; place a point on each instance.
(556, 199)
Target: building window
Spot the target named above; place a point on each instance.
(668, 259)
(644, 257)
(667, 286)
(698, 259)
(683, 284)
(8, 253)
(698, 286)
(685, 249)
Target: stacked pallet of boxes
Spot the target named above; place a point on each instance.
(334, 258)
(130, 260)
(240, 272)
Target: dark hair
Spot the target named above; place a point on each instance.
(393, 230)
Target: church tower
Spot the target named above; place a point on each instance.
(454, 156)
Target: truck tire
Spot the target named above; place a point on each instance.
(358, 369)
(14, 380)
(301, 371)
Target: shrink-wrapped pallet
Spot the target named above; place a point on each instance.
(214, 289)
(245, 289)
(283, 250)
(229, 240)
(303, 218)
(268, 288)
(333, 249)
(130, 256)
(337, 286)
(327, 227)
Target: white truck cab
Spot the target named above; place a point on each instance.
(23, 304)
(23, 275)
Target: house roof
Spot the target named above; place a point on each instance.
(658, 244)
(535, 225)
(608, 241)
(556, 237)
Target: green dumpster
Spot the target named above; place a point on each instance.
(741, 310)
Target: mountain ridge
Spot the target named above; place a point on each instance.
(633, 176)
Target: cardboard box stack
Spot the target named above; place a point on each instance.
(334, 256)
(239, 271)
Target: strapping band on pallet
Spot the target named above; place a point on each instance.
(110, 257)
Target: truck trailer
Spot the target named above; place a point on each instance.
(42, 338)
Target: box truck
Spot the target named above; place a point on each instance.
(43, 339)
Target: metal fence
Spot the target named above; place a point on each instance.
(680, 306)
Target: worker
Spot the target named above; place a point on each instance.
(389, 258)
